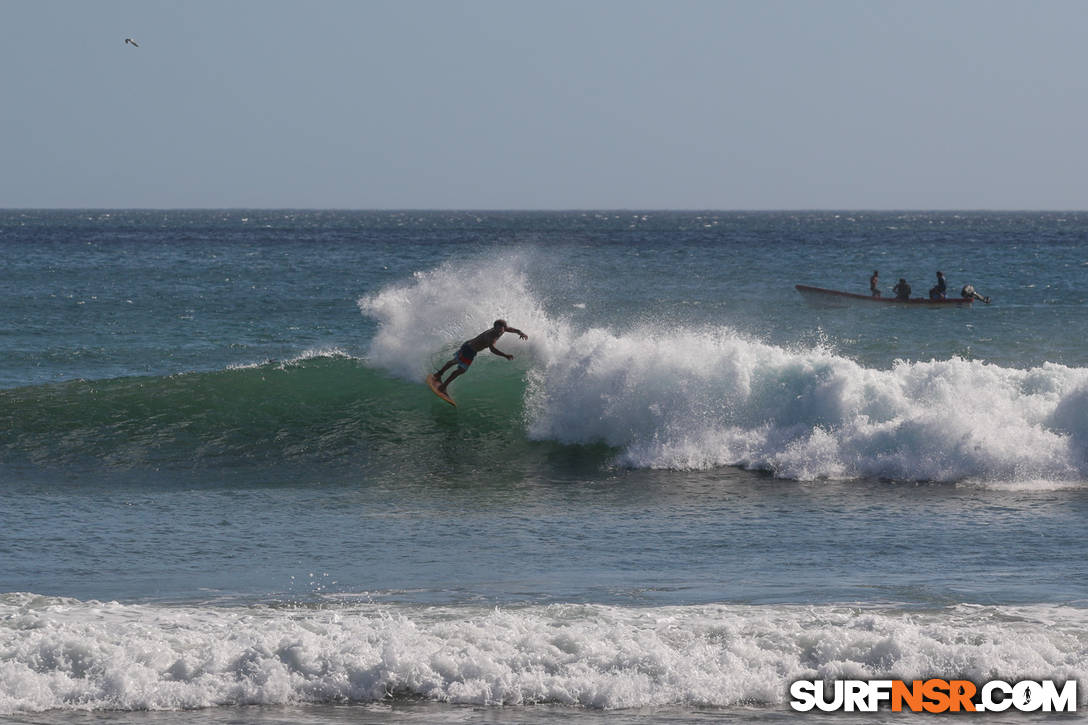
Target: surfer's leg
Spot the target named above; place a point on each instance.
(463, 359)
(447, 366)
(456, 374)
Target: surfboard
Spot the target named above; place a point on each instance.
(433, 384)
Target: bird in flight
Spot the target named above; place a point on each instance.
(132, 42)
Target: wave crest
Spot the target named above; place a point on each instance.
(667, 395)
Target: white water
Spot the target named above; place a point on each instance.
(67, 654)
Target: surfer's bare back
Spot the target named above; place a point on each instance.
(467, 353)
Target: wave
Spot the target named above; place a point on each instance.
(317, 406)
(64, 654)
(695, 402)
(665, 395)
(647, 394)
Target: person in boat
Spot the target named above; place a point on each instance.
(467, 353)
(902, 290)
(939, 291)
(968, 292)
(874, 284)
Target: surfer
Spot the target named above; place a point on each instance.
(968, 292)
(940, 290)
(874, 283)
(467, 353)
(902, 290)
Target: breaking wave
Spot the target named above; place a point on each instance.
(669, 396)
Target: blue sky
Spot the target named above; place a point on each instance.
(684, 104)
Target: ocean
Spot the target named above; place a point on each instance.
(227, 495)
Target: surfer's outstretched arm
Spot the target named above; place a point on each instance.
(517, 332)
(499, 352)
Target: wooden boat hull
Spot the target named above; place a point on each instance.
(833, 298)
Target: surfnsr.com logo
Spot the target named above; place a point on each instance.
(933, 695)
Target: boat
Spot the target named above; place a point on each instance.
(834, 298)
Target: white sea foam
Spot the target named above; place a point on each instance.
(713, 398)
(698, 398)
(69, 655)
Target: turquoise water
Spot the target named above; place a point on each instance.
(224, 483)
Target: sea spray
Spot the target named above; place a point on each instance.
(422, 322)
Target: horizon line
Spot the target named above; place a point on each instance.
(561, 210)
